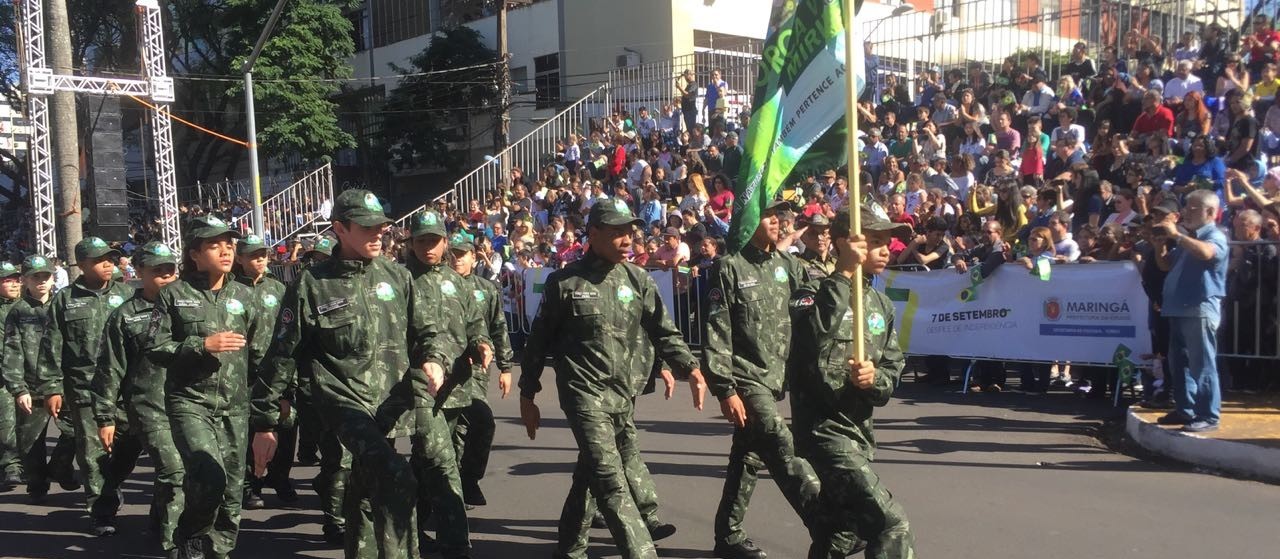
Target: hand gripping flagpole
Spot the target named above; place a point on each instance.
(855, 176)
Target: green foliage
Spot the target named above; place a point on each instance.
(1048, 59)
(425, 113)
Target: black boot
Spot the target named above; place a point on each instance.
(471, 493)
(745, 549)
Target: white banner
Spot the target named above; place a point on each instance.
(536, 278)
(1083, 313)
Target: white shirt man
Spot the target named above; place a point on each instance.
(1183, 83)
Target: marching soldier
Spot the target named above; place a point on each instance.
(69, 350)
(476, 426)
(24, 327)
(312, 434)
(817, 258)
(748, 342)
(126, 373)
(461, 336)
(10, 461)
(251, 270)
(356, 318)
(835, 397)
(594, 318)
(208, 332)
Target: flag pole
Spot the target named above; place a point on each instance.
(855, 175)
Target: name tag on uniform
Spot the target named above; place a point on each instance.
(585, 295)
(748, 283)
(186, 303)
(137, 318)
(332, 305)
(76, 303)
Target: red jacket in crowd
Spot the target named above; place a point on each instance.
(1162, 121)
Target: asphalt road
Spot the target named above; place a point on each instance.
(980, 476)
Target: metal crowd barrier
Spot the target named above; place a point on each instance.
(1249, 313)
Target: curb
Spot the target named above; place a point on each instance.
(1233, 457)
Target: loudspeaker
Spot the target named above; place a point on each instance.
(108, 192)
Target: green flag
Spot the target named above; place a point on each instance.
(797, 119)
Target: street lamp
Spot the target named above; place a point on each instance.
(247, 70)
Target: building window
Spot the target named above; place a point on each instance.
(520, 80)
(398, 20)
(546, 78)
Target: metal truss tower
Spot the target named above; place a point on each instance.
(42, 82)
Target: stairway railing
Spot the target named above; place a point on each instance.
(295, 208)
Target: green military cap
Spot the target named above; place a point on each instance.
(8, 270)
(250, 244)
(154, 253)
(819, 220)
(324, 245)
(874, 218)
(35, 264)
(462, 241)
(776, 206)
(209, 226)
(360, 207)
(427, 223)
(93, 247)
(612, 212)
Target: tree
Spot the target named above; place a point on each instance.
(295, 77)
(432, 106)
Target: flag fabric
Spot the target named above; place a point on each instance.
(798, 106)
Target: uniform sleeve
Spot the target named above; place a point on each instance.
(889, 366)
(49, 362)
(476, 332)
(718, 351)
(824, 320)
(164, 350)
(425, 338)
(11, 357)
(262, 323)
(112, 366)
(497, 322)
(278, 368)
(542, 332)
(662, 332)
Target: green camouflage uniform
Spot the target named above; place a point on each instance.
(126, 374)
(815, 266)
(24, 327)
(69, 350)
(10, 462)
(207, 395)
(473, 437)
(461, 330)
(748, 342)
(359, 326)
(833, 425)
(593, 318)
(268, 292)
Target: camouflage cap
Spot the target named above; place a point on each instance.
(427, 223)
(8, 270)
(207, 227)
(323, 245)
(463, 242)
(612, 212)
(819, 220)
(360, 207)
(250, 244)
(35, 264)
(154, 253)
(874, 218)
(93, 247)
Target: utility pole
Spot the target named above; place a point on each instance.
(66, 137)
(254, 176)
(502, 128)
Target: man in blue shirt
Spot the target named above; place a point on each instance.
(1193, 292)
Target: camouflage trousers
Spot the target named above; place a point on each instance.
(604, 440)
(167, 499)
(212, 450)
(309, 425)
(765, 441)
(32, 430)
(10, 459)
(335, 469)
(90, 455)
(381, 490)
(119, 463)
(439, 485)
(854, 503)
(473, 432)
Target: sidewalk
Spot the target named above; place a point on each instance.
(1248, 444)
